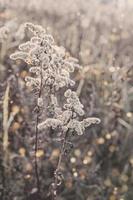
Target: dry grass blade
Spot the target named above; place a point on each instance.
(5, 118)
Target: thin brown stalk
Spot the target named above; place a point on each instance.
(59, 166)
(5, 122)
(5, 138)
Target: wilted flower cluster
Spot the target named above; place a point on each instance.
(48, 62)
(50, 70)
(68, 117)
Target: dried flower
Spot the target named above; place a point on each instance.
(50, 71)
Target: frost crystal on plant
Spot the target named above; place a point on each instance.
(88, 121)
(40, 101)
(54, 123)
(19, 55)
(73, 102)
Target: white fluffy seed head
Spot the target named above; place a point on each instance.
(35, 29)
(68, 93)
(52, 67)
(19, 55)
(50, 122)
(26, 46)
(92, 120)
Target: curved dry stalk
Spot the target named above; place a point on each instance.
(5, 137)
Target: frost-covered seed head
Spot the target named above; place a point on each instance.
(40, 101)
(50, 69)
(92, 120)
(35, 29)
(19, 55)
(26, 46)
(68, 93)
(53, 123)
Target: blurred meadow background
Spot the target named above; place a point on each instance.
(100, 165)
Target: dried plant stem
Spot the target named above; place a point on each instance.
(51, 68)
(5, 138)
(55, 184)
(80, 86)
(61, 153)
(3, 51)
(36, 148)
(5, 119)
(36, 138)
